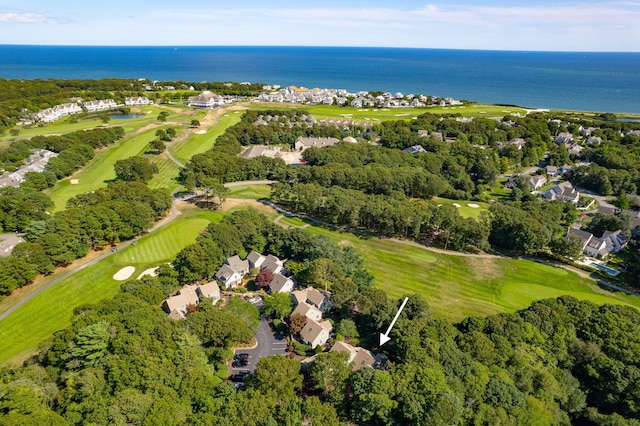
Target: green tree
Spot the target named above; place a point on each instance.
(278, 377)
(329, 373)
(195, 123)
(568, 247)
(324, 272)
(157, 146)
(134, 169)
(91, 344)
(278, 304)
(162, 116)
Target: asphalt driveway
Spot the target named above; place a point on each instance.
(268, 344)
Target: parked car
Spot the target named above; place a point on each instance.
(239, 377)
(240, 363)
(241, 356)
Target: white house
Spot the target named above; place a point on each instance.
(205, 100)
(100, 105)
(176, 306)
(309, 311)
(255, 259)
(281, 284)
(209, 290)
(537, 182)
(564, 191)
(137, 101)
(238, 265)
(313, 297)
(228, 277)
(611, 242)
(316, 333)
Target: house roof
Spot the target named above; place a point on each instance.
(359, 357)
(415, 149)
(211, 290)
(309, 295)
(316, 142)
(238, 265)
(177, 314)
(7, 245)
(181, 301)
(254, 151)
(583, 235)
(279, 282)
(313, 329)
(254, 257)
(308, 311)
(225, 273)
(272, 263)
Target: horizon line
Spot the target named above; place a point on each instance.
(308, 46)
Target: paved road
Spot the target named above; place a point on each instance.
(268, 345)
(601, 200)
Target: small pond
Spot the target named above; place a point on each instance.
(125, 116)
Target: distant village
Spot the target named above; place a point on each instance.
(548, 181)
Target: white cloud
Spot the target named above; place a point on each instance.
(28, 18)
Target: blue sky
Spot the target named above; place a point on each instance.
(459, 24)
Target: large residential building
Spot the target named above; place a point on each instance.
(205, 100)
(100, 105)
(610, 242)
(189, 295)
(304, 143)
(137, 101)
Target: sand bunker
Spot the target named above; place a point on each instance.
(473, 205)
(150, 271)
(124, 273)
(456, 205)
(199, 132)
(74, 181)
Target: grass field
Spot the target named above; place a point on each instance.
(292, 221)
(383, 114)
(456, 286)
(167, 175)
(465, 210)
(100, 169)
(251, 192)
(40, 317)
(197, 144)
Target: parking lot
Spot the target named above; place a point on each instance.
(268, 344)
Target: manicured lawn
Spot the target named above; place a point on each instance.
(167, 175)
(456, 287)
(465, 210)
(197, 144)
(51, 310)
(99, 170)
(382, 114)
(252, 192)
(292, 221)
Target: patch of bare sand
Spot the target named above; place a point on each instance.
(473, 205)
(150, 271)
(124, 273)
(234, 203)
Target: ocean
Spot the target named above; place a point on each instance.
(601, 82)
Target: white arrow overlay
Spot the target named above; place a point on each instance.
(384, 338)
